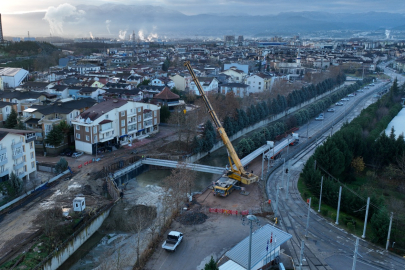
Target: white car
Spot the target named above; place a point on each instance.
(319, 118)
(77, 154)
(345, 99)
(350, 95)
(339, 104)
(331, 110)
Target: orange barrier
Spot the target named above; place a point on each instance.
(90, 161)
(80, 166)
(85, 164)
(245, 213)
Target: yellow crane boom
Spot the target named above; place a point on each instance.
(239, 173)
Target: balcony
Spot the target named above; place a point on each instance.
(103, 138)
(18, 155)
(16, 145)
(30, 138)
(3, 173)
(3, 161)
(22, 174)
(18, 165)
(3, 151)
(147, 115)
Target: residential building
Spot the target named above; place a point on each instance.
(239, 89)
(85, 68)
(167, 98)
(23, 100)
(244, 68)
(258, 83)
(5, 110)
(237, 75)
(114, 122)
(181, 82)
(209, 85)
(17, 154)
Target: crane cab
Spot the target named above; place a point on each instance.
(224, 186)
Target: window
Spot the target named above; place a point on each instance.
(155, 121)
(87, 129)
(260, 83)
(6, 109)
(139, 118)
(260, 88)
(123, 131)
(94, 129)
(23, 147)
(139, 126)
(95, 138)
(123, 113)
(32, 155)
(248, 82)
(131, 110)
(77, 127)
(71, 115)
(106, 116)
(139, 109)
(24, 159)
(87, 138)
(31, 145)
(122, 123)
(77, 136)
(33, 164)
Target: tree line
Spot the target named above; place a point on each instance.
(243, 118)
(344, 155)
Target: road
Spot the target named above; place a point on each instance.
(327, 246)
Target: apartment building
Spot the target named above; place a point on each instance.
(17, 154)
(114, 122)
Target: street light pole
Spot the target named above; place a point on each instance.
(251, 219)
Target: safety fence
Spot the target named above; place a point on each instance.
(228, 212)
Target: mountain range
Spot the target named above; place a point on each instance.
(114, 20)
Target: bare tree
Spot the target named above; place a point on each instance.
(140, 218)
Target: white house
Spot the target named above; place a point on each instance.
(266, 243)
(114, 121)
(244, 68)
(209, 85)
(157, 82)
(17, 154)
(12, 77)
(237, 75)
(181, 82)
(239, 89)
(258, 83)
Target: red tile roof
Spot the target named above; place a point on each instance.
(166, 94)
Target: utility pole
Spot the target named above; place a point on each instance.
(262, 165)
(389, 231)
(320, 196)
(288, 183)
(276, 210)
(338, 209)
(315, 165)
(301, 253)
(355, 254)
(365, 220)
(282, 179)
(309, 211)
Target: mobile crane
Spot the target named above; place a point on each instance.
(227, 183)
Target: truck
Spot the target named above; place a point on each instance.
(173, 240)
(236, 169)
(275, 152)
(224, 186)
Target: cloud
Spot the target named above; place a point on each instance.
(56, 16)
(107, 24)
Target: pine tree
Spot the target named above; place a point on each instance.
(55, 137)
(11, 121)
(211, 265)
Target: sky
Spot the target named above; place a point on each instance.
(237, 7)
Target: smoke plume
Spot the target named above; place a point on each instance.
(122, 34)
(91, 35)
(107, 24)
(56, 17)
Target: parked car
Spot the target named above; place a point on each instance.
(345, 99)
(360, 90)
(69, 153)
(350, 95)
(319, 118)
(173, 240)
(339, 104)
(331, 110)
(77, 154)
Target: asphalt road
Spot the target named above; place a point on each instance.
(327, 246)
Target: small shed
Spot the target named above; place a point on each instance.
(79, 204)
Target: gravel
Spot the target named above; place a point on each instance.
(192, 218)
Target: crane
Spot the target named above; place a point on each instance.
(236, 171)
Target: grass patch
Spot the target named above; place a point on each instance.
(350, 223)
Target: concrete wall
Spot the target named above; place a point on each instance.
(60, 256)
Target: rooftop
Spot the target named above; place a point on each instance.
(101, 108)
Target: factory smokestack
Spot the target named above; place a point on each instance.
(1, 31)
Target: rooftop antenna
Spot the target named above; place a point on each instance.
(28, 34)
